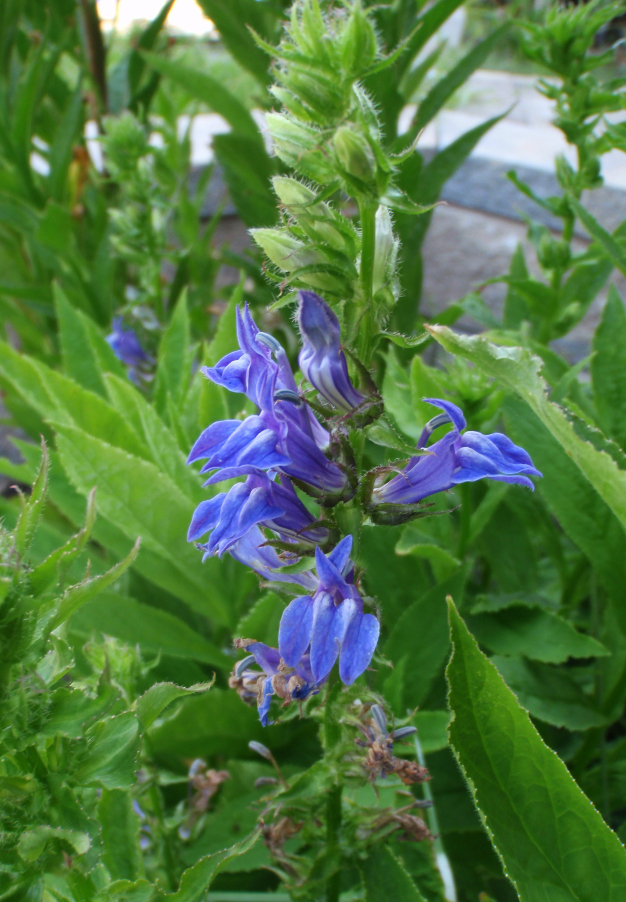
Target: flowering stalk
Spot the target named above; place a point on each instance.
(298, 450)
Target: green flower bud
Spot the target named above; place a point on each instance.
(284, 250)
(354, 154)
(298, 146)
(357, 43)
(385, 249)
(292, 104)
(553, 253)
(291, 192)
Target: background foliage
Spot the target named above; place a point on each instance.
(115, 659)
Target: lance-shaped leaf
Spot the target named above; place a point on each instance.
(552, 841)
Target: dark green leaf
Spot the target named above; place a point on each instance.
(158, 697)
(384, 877)
(608, 368)
(120, 835)
(552, 841)
(111, 759)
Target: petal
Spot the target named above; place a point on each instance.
(330, 578)
(294, 632)
(212, 438)
(340, 555)
(358, 646)
(205, 517)
(267, 658)
(265, 702)
(329, 627)
(263, 452)
(455, 413)
(239, 438)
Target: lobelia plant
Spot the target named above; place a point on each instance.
(309, 483)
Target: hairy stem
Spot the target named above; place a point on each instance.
(367, 211)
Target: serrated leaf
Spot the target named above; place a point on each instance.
(76, 596)
(134, 495)
(197, 879)
(32, 843)
(155, 631)
(158, 697)
(427, 619)
(549, 694)
(535, 633)
(552, 841)
(384, 877)
(111, 758)
(608, 368)
(119, 825)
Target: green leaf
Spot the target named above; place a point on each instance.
(384, 877)
(426, 618)
(174, 363)
(607, 241)
(147, 40)
(120, 835)
(153, 703)
(432, 729)
(535, 633)
(518, 371)
(215, 722)
(582, 513)
(262, 620)
(76, 596)
(140, 500)
(553, 843)
(247, 172)
(157, 437)
(453, 80)
(111, 759)
(418, 543)
(549, 694)
(383, 433)
(232, 18)
(207, 90)
(197, 879)
(155, 631)
(608, 368)
(405, 341)
(72, 710)
(67, 132)
(79, 361)
(32, 843)
(32, 507)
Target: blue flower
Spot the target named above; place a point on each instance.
(290, 684)
(454, 459)
(321, 359)
(330, 623)
(283, 437)
(257, 501)
(127, 348)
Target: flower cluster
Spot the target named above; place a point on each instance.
(284, 449)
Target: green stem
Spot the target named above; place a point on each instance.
(365, 323)
(332, 735)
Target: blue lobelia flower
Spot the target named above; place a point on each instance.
(331, 622)
(454, 459)
(295, 684)
(321, 359)
(284, 436)
(257, 501)
(127, 348)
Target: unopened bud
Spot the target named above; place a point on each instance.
(261, 750)
(292, 193)
(403, 732)
(379, 718)
(354, 153)
(285, 251)
(357, 43)
(384, 248)
(553, 253)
